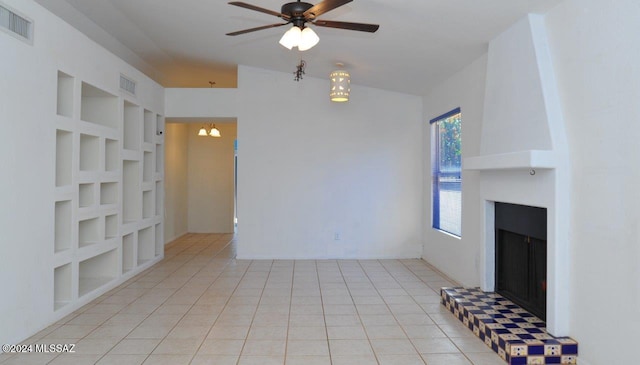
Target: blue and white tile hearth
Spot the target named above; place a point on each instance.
(517, 336)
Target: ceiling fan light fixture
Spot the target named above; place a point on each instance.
(291, 38)
(340, 83)
(308, 39)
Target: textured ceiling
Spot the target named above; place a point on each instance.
(183, 43)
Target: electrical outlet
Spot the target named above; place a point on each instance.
(336, 236)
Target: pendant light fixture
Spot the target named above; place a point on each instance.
(340, 83)
(213, 131)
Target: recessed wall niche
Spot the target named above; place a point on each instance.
(86, 195)
(61, 286)
(131, 199)
(88, 232)
(158, 198)
(149, 126)
(147, 204)
(89, 153)
(64, 156)
(62, 240)
(111, 155)
(97, 271)
(146, 245)
(65, 95)
(148, 168)
(159, 240)
(98, 106)
(127, 253)
(159, 158)
(131, 128)
(108, 193)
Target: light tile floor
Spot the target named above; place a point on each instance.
(202, 306)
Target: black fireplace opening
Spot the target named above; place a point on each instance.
(521, 256)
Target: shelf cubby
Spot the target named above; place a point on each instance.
(89, 153)
(131, 199)
(86, 195)
(61, 286)
(149, 126)
(159, 125)
(98, 106)
(159, 158)
(65, 95)
(62, 240)
(146, 245)
(111, 156)
(127, 253)
(147, 204)
(158, 198)
(110, 226)
(64, 157)
(159, 243)
(147, 167)
(131, 128)
(88, 232)
(97, 271)
(108, 193)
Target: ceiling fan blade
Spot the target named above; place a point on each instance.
(257, 28)
(323, 7)
(257, 8)
(362, 27)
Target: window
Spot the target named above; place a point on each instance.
(446, 172)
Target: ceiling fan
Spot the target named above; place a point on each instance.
(299, 13)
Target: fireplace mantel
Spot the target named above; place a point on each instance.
(530, 159)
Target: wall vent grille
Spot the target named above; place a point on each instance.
(128, 85)
(16, 24)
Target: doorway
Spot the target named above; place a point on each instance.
(200, 177)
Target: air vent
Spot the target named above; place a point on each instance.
(128, 85)
(15, 24)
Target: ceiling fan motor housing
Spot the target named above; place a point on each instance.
(296, 11)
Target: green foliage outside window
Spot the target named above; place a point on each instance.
(450, 142)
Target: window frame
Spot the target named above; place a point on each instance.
(436, 172)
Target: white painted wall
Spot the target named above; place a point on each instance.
(175, 180)
(309, 168)
(457, 257)
(201, 103)
(596, 56)
(27, 145)
(210, 180)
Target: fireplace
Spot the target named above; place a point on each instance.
(521, 256)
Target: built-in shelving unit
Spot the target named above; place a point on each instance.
(108, 190)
